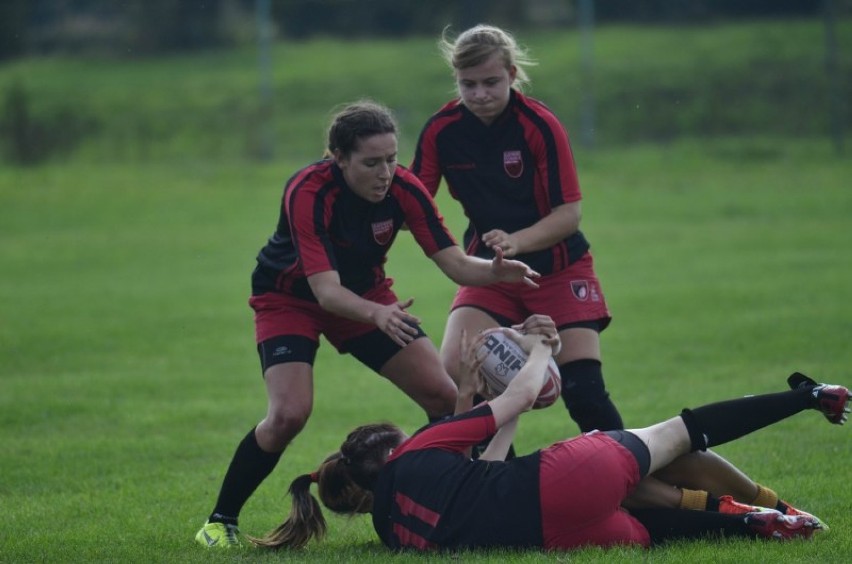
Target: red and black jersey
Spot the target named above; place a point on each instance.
(430, 495)
(324, 226)
(507, 175)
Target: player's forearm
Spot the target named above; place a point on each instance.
(522, 391)
(499, 446)
(345, 303)
(464, 400)
(561, 223)
(465, 270)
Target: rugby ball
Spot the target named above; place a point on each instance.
(504, 359)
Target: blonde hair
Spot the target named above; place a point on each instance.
(475, 45)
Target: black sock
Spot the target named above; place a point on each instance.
(674, 524)
(249, 467)
(712, 503)
(585, 396)
(721, 422)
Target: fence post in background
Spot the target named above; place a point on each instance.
(586, 19)
(264, 46)
(835, 110)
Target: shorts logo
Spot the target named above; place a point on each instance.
(580, 289)
(513, 163)
(283, 350)
(584, 290)
(383, 231)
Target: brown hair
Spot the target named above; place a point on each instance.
(355, 121)
(475, 45)
(345, 479)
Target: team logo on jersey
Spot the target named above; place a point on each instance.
(513, 163)
(383, 231)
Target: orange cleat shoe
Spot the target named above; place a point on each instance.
(773, 524)
(730, 506)
(793, 511)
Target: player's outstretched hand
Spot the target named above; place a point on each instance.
(396, 322)
(509, 270)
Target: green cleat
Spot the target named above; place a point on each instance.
(218, 535)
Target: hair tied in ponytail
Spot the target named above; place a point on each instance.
(314, 477)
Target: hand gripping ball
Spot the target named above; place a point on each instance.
(504, 359)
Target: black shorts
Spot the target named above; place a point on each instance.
(373, 349)
(637, 448)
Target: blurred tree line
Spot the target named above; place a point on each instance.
(132, 28)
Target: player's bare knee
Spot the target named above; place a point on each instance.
(440, 401)
(285, 425)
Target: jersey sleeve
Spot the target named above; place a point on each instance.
(309, 216)
(426, 165)
(554, 158)
(454, 434)
(422, 216)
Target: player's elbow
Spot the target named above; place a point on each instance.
(326, 301)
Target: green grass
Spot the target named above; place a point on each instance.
(129, 373)
(127, 364)
(649, 83)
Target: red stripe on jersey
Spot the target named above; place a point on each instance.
(548, 141)
(453, 435)
(556, 174)
(308, 207)
(408, 506)
(426, 165)
(408, 538)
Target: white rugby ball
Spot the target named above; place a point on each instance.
(504, 359)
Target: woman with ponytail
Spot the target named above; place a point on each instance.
(345, 485)
(425, 493)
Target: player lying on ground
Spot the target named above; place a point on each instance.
(702, 480)
(425, 493)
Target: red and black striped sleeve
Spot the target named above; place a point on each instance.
(549, 143)
(308, 200)
(421, 214)
(426, 164)
(455, 434)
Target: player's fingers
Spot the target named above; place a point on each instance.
(513, 334)
(555, 344)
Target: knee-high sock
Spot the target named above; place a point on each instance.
(673, 524)
(721, 422)
(585, 396)
(249, 467)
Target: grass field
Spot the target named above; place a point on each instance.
(128, 370)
